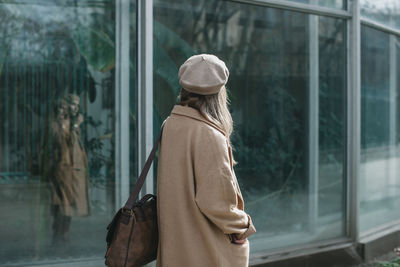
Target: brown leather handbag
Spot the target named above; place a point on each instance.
(132, 236)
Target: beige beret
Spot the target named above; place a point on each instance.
(203, 74)
(71, 98)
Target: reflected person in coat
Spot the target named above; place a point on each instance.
(201, 217)
(69, 175)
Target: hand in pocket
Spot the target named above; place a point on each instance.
(237, 241)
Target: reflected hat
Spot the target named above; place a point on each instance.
(203, 74)
(71, 98)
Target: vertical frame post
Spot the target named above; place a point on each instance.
(354, 121)
(122, 102)
(392, 188)
(145, 88)
(313, 118)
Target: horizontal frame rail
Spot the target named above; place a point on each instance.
(263, 257)
(379, 26)
(299, 7)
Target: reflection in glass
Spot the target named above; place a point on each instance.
(268, 54)
(68, 174)
(382, 11)
(57, 114)
(332, 117)
(380, 183)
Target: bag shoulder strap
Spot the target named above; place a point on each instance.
(139, 184)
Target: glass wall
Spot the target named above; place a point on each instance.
(379, 186)
(382, 11)
(60, 181)
(287, 86)
(57, 134)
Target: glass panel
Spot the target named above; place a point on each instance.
(340, 4)
(380, 181)
(383, 11)
(332, 118)
(57, 110)
(268, 53)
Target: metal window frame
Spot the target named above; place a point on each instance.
(300, 7)
(313, 127)
(392, 172)
(122, 91)
(379, 26)
(145, 91)
(122, 102)
(353, 121)
(145, 88)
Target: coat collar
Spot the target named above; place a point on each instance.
(195, 114)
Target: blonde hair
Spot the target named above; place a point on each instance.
(213, 107)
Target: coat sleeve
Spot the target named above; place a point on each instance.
(53, 148)
(216, 196)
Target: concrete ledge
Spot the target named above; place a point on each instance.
(335, 257)
(377, 245)
(366, 250)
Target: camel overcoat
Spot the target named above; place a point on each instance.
(69, 175)
(198, 197)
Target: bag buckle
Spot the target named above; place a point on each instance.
(127, 211)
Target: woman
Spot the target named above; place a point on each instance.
(68, 174)
(201, 216)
